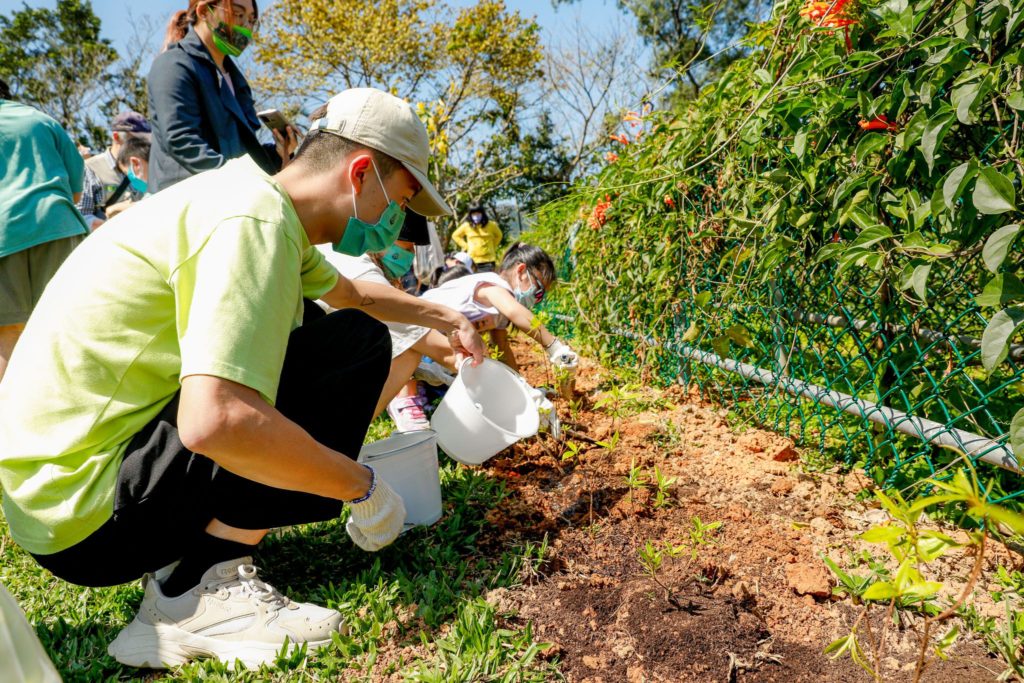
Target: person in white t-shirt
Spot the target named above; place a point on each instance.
(493, 301)
(409, 343)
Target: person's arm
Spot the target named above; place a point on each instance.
(495, 233)
(388, 304)
(233, 426)
(517, 314)
(459, 237)
(177, 116)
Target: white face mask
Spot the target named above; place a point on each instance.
(528, 297)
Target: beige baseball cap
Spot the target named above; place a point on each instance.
(387, 124)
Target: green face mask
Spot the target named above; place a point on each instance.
(361, 237)
(231, 41)
(396, 261)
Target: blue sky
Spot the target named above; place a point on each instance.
(114, 13)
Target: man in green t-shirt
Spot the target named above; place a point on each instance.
(42, 175)
(177, 394)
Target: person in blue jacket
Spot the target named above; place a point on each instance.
(201, 108)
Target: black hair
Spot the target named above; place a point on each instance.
(5, 90)
(445, 274)
(534, 257)
(480, 210)
(134, 146)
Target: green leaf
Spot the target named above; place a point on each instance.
(918, 280)
(997, 245)
(871, 236)
(1016, 100)
(721, 346)
(995, 340)
(934, 131)
(923, 589)
(740, 336)
(868, 144)
(702, 299)
(954, 184)
(886, 533)
(965, 99)
(993, 193)
(1017, 434)
(692, 333)
(883, 590)
(1003, 289)
(800, 144)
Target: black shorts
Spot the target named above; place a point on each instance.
(333, 373)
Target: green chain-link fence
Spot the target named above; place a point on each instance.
(858, 371)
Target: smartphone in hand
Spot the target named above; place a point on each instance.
(273, 119)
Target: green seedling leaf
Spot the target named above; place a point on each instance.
(998, 245)
(993, 193)
(995, 340)
(883, 534)
(946, 642)
(922, 590)
(883, 590)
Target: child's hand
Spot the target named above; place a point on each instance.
(561, 355)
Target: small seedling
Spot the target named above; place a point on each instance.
(912, 548)
(662, 483)
(610, 444)
(700, 533)
(573, 450)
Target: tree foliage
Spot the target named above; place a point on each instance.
(55, 59)
(692, 39)
(466, 70)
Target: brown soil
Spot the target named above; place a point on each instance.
(754, 605)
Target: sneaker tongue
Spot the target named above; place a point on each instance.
(226, 569)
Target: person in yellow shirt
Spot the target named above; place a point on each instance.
(480, 237)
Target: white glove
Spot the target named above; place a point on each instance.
(546, 410)
(561, 355)
(378, 519)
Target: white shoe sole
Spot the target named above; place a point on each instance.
(161, 646)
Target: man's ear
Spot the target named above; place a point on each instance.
(136, 166)
(358, 167)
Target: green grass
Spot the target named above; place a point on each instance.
(425, 590)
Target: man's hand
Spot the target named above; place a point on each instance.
(115, 209)
(376, 521)
(466, 342)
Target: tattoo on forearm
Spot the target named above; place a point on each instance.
(367, 301)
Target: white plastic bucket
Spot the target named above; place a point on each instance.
(408, 462)
(22, 657)
(487, 409)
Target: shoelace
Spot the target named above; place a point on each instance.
(415, 409)
(259, 589)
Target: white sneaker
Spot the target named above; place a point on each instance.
(407, 414)
(433, 374)
(230, 615)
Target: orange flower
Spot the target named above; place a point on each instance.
(598, 216)
(880, 122)
(829, 14)
(631, 116)
(669, 202)
(620, 138)
(611, 157)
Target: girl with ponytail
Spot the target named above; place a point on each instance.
(200, 104)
